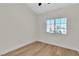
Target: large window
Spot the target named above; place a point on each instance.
(58, 25)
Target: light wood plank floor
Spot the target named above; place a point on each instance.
(42, 49)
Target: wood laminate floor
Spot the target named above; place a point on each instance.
(42, 49)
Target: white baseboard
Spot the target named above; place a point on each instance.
(14, 48)
(72, 48)
(21, 45)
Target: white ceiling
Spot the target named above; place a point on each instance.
(46, 7)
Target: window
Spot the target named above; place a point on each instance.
(58, 25)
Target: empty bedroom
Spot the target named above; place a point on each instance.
(39, 29)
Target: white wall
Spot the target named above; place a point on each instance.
(17, 26)
(71, 40)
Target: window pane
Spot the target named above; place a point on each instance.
(52, 22)
(59, 31)
(63, 20)
(52, 28)
(48, 21)
(48, 28)
(57, 28)
(63, 31)
(63, 26)
(58, 21)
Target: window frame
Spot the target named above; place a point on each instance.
(60, 25)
